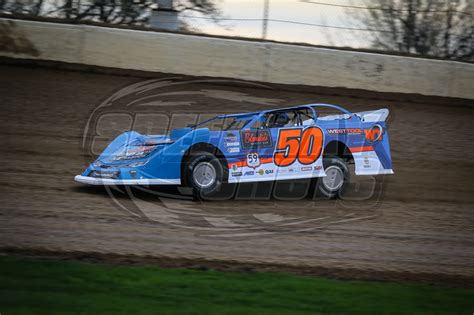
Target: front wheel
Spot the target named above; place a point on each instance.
(337, 178)
(204, 173)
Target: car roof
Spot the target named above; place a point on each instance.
(306, 106)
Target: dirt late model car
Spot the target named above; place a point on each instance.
(281, 144)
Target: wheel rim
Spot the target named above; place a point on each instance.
(204, 174)
(334, 178)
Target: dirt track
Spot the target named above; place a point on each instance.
(422, 226)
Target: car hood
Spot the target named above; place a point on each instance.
(131, 147)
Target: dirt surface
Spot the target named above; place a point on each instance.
(419, 225)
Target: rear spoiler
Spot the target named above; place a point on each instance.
(378, 115)
(373, 115)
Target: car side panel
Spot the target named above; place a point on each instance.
(257, 163)
(250, 156)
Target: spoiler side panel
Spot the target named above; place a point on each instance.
(373, 157)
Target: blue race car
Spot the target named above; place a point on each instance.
(286, 143)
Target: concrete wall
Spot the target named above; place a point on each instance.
(204, 56)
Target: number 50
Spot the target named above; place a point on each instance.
(292, 144)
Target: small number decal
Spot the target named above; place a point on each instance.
(253, 160)
(292, 144)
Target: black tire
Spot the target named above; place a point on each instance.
(338, 176)
(205, 161)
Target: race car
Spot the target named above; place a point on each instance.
(271, 145)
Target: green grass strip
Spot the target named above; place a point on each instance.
(33, 286)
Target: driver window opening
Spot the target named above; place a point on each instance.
(282, 119)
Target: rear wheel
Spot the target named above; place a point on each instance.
(204, 173)
(337, 178)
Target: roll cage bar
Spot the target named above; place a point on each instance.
(255, 116)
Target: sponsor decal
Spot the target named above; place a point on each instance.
(306, 168)
(366, 162)
(234, 167)
(345, 131)
(291, 170)
(253, 160)
(256, 139)
(230, 137)
(261, 172)
(233, 149)
(232, 144)
(374, 134)
(249, 173)
(318, 168)
(236, 174)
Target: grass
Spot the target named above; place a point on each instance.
(32, 286)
